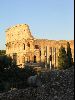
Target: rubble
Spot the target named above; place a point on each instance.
(60, 86)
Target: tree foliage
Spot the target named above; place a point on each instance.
(2, 52)
(69, 56)
(11, 76)
(65, 57)
(62, 58)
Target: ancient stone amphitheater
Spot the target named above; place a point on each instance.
(24, 48)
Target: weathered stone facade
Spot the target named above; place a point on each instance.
(22, 46)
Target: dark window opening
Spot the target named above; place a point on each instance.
(28, 44)
(36, 47)
(24, 46)
(40, 53)
(34, 59)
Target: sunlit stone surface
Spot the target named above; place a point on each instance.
(23, 47)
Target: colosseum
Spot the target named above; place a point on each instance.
(24, 48)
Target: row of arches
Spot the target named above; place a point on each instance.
(28, 44)
(28, 59)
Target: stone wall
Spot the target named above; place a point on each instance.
(21, 45)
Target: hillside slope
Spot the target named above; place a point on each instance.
(60, 86)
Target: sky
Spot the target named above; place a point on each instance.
(47, 19)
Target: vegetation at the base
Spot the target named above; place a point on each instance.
(2, 52)
(65, 57)
(11, 76)
(62, 58)
(69, 56)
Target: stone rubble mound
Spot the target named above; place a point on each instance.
(59, 86)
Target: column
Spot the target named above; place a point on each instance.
(50, 57)
(54, 57)
(42, 54)
(48, 54)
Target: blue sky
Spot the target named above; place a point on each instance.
(48, 19)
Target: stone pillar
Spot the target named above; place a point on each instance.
(18, 59)
(50, 65)
(12, 47)
(26, 47)
(50, 62)
(32, 46)
(42, 54)
(37, 56)
(54, 57)
(21, 46)
(46, 57)
(48, 54)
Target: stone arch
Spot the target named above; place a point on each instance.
(28, 44)
(28, 59)
(36, 46)
(34, 59)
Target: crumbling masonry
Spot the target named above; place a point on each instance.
(24, 48)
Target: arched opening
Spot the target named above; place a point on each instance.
(34, 59)
(28, 44)
(36, 46)
(40, 52)
(28, 59)
(23, 46)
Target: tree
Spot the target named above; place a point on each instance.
(2, 52)
(5, 62)
(69, 55)
(62, 58)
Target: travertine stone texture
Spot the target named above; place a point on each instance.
(23, 47)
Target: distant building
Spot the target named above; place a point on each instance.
(24, 48)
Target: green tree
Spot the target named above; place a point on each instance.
(69, 56)
(62, 58)
(2, 52)
(5, 62)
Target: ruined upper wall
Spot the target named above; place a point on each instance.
(21, 32)
(18, 32)
(55, 43)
